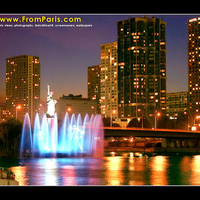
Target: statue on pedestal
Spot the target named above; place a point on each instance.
(50, 102)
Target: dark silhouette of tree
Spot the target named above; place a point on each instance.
(138, 123)
(10, 132)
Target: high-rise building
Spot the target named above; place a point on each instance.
(177, 103)
(94, 84)
(22, 86)
(141, 67)
(194, 65)
(108, 80)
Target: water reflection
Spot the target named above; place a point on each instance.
(113, 167)
(195, 168)
(36, 172)
(125, 171)
(159, 170)
(137, 171)
(50, 172)
(69, 174)
(117, 170)
(66, 171)
(21, 174)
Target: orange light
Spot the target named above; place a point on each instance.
(69, 109)
(114, 111)
(18, 107)
(158, 114)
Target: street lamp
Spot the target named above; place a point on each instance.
(112, 112)
(156, 115)
(17, 108)
(139, 110)
(186, 113)
(93, 108)
(69, 109)
(197, 117)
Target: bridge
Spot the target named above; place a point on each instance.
(154, 133)
(170, 137)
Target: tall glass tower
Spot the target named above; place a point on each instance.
(141, 67)
(194, 65)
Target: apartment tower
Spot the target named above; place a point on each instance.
(141, 67)
(94, 84)
(194, 65)
(108, 80)
(22, 86)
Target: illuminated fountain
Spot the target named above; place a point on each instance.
(75, 137)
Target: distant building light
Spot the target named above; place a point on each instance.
(193, 20)
(193, 128)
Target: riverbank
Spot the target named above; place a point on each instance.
(153, 151)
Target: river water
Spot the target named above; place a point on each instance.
(117, 170)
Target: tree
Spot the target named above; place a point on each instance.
(106, 122)
(10, 132)
(164, 122)
(183, 120)
(138, 123)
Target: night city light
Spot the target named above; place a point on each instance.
(123, 107)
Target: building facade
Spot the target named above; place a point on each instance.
(194, 65)
(177, 102)
(108, 80)
(2, 113)
(75, 105)
(22, 86)
(141, 67)
(94, 84)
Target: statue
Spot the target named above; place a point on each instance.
(50, 102)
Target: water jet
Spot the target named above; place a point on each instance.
(75, 137)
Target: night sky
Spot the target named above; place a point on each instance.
(65, 53)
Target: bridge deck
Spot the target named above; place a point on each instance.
(155, 133)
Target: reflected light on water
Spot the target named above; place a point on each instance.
(50, 171)
(185, 164)
(129, 171)
(158, 167)
(195, 168)
(20, 174)
(113, 175)
(136, 167)
(117, 170)
(69, 174)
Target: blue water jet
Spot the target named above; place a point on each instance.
(26, 136)
(74, 137)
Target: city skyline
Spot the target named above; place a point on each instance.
(65, 53)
